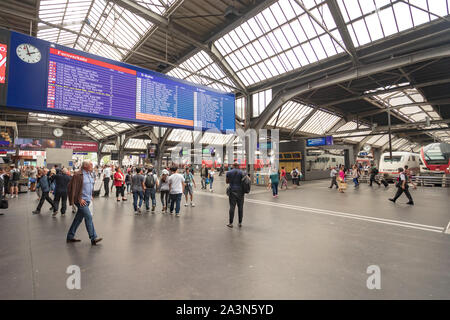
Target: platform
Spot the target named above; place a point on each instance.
(310, 243)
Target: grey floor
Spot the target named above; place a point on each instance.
(310, 243)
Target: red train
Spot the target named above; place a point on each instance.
(436, 158)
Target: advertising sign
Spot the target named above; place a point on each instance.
(3, 57)
(80, 146)
(42, 144)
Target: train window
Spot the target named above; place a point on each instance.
(288, 156)
(413, 158)
(394, 158)
(333, 159)
(297, 155)
(281, 156)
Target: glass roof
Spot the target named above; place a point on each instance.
(100, 19)
(216, 138)
(414, 113)
(43, 117)
(240, 108)
(371, 20)
(320, 123)
(109, 148)
(352, 125)
(279, 39)
(182, 135)
(202, 63)
(290, 115)
(137, 144)
(103, 129)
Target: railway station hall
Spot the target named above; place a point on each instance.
(224, 150)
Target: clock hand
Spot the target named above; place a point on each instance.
(26, 47)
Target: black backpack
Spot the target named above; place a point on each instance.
(16, 175)
(295, 174)
(150, 181)
(246, 184)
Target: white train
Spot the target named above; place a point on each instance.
(323, 161)
(389, 168)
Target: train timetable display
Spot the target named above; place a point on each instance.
(68, 81)
(77, 83)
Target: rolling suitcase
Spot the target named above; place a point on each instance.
(97, 187)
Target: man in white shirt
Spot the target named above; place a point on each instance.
(333, 174)
(106, 178)
(176, 190)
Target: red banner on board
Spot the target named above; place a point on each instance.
(80, 146)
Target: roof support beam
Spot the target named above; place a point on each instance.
(358, 72)
(342, 28)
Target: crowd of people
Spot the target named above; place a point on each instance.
(58, 186)
(338, 179)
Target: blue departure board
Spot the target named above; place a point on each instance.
(50, 78)
(322, 141)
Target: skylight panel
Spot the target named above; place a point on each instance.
(281, 28)
(385, 17)
(320, 122)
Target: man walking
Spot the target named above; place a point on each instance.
(204, 175)
(44, 185)
(176, 190)
(106, 179)
(62, 179)
(373, 174)
(235, 193)
(80, 193)
(333, 175)
(402, 186)
(137, 188)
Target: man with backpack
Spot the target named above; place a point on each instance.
(189, 186)
(239, 184)
(14, 182)
(295, 177)
(151, 184)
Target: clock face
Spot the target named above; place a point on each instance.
(28, 53)
(58, 132)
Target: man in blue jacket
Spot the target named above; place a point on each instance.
(44, 184)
